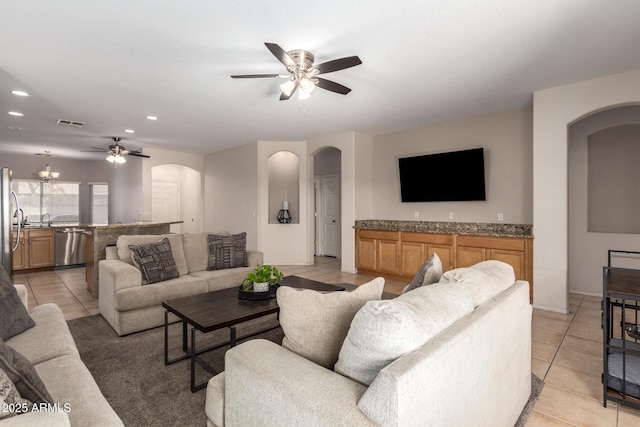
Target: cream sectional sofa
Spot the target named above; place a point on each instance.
(130, 307)
(50, 347)
(474, 372)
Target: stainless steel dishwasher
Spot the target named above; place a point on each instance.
(70, 243)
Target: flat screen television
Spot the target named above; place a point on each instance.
(443, 177)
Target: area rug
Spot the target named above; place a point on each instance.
(131, 373)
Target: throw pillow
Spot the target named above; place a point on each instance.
(227, 251)
(14, 318)
(155, 261)
(315, 324)
(428, 274)
(382, 331)
(23, 375)
(10, 398)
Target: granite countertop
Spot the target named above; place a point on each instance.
(129, 225)
(466, 228)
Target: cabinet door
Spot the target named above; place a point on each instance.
(19, 259)
(515, 259)
(412, 256)
(40, 248)
(388, 256)
(367, 254)
(445, 253)
(467, 256)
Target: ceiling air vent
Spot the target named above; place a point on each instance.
(69, 123)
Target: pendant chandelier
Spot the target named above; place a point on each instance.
(46, 175)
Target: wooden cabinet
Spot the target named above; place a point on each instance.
(517, 252)
(399, 254)
(36, 249)
(378, 251)
(416, 248)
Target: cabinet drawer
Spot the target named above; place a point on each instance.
(379, 235)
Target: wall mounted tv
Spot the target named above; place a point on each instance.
(443, 177)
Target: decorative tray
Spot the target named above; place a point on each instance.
(257, 296)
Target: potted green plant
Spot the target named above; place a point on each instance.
(261, 278)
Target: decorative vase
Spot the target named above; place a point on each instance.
(261, 287)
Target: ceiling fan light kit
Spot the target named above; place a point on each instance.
(117, 152)
(302, 72)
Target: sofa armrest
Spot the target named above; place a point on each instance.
(22, 293)
(40, 419)
(111, 252)
(115, 275)
(255, 258)
(291, 389)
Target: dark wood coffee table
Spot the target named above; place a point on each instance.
(222, 309)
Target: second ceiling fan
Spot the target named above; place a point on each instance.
(303, 75)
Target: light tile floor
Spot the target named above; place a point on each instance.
(566, 348)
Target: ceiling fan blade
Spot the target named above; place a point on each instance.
(281, 54)
(337, 64)
(95, 150)
(332, 86)
(254, 76)
(138, 154)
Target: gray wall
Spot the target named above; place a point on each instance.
(508, 143)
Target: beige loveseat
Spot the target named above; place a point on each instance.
(475, 371)
(130, 307)
(50, 347)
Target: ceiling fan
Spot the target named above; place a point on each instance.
(117, 152)
(303, 74)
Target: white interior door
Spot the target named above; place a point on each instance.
(165, 203)
(330, 215)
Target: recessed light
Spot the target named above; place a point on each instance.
(130, 131)
(152, 118)
(19, 93)
(14, 128)
(15, 113)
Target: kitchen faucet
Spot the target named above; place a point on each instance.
(49, 218)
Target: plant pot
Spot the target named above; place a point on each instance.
(261, 287)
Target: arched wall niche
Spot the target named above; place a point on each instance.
(284, 185)
(588, 244)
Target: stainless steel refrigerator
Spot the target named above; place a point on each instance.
(9, 207)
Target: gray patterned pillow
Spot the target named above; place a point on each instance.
(10, 396)
(429, 273)
(227, 251)
(23, 375)
(155, 261)
(14, 318)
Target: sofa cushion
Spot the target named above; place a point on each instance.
(155, 261)
(315, 323)
(23, 375)
(227, 251)
(50, 337)
(483, 280)
(196, 250)
(223, 279)
(124, 253)
(429, 273)
(383, 331)
(155, 293)
(14, 318)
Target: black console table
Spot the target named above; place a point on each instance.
(621, 333)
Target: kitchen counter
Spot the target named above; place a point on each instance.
(464, 228)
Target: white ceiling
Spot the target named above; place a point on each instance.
(110, 63)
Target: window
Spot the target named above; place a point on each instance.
(99, 203)
(56, 202)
